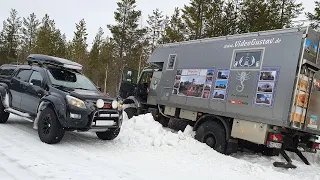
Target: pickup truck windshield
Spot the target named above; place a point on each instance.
(69, 79)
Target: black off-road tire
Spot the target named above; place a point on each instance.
(163, 121)
(4, 116)
(108, 135)
(131, 112)
(178, 124)
(213, 134)
(50, 130)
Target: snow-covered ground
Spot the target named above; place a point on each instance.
(143, 151)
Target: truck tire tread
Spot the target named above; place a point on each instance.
(178, 124)
(108, 135)
(131, 112)
(55, 131)
(212, 128)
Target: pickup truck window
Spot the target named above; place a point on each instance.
(24, 74)
(36, 78)
(6, 71)
(70, 79)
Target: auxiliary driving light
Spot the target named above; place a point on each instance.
(100, 103)
(114, 104)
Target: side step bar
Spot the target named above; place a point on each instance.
(18, 113)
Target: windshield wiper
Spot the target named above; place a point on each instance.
(82, 88)
(60, 86)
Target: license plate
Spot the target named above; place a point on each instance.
(105, 123)
(274, 145)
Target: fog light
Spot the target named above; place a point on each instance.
(75, 116)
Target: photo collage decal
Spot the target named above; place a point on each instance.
(313, 119)
(266, 87)
(311, 48)
(221, 85)
(301, 103)
(193, 82)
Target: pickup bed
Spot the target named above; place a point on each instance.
(55, 95)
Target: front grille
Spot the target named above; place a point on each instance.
(105, 118)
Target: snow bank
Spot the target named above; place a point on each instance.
(144, 131)
(144, 150)
(143, 134)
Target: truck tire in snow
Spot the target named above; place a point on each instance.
(213, 134)
(50, 130)
(131, 112)
(177, 124)
(108, 135)
(4, 116)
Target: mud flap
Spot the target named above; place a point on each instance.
(35, 123)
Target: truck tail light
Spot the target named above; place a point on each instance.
(316, 146)
(275, 137)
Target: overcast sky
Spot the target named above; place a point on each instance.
(97, 13)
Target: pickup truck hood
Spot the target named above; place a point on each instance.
(87, 94)
(90, 95)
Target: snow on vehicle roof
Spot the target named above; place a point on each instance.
(45, 59)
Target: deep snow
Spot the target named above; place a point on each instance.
(144, 150)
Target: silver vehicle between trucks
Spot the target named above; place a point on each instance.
(258, 90)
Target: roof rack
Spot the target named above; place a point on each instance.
(16, 63)
(41, 59)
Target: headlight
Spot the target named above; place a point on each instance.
(114, 104)
(75, 102)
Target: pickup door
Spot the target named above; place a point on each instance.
(33, 92)
(17, 88)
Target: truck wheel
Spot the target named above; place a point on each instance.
(213, 134)
(4, 116)
(178, 124)
(50, 130)
(163, 121)
(108, 135)
(131, 112)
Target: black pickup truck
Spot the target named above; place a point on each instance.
(54, 94)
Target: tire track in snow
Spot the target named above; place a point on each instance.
(78, 150)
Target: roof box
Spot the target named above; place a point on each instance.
(51, 60)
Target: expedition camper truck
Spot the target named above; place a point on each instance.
(258, 88)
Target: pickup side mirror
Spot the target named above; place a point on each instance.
(99, 88)
(36, 82)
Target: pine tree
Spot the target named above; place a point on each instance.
(156, 23)
(79, 43)
(126, 33)
(11, 36)
(175, 29)
(49, 40)
(213, 19)
(282, 12)
(194, 17)
(315, 17)
(254, 16)
(229, 24)
(95, 64)
(29, 30)
(108, 57)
